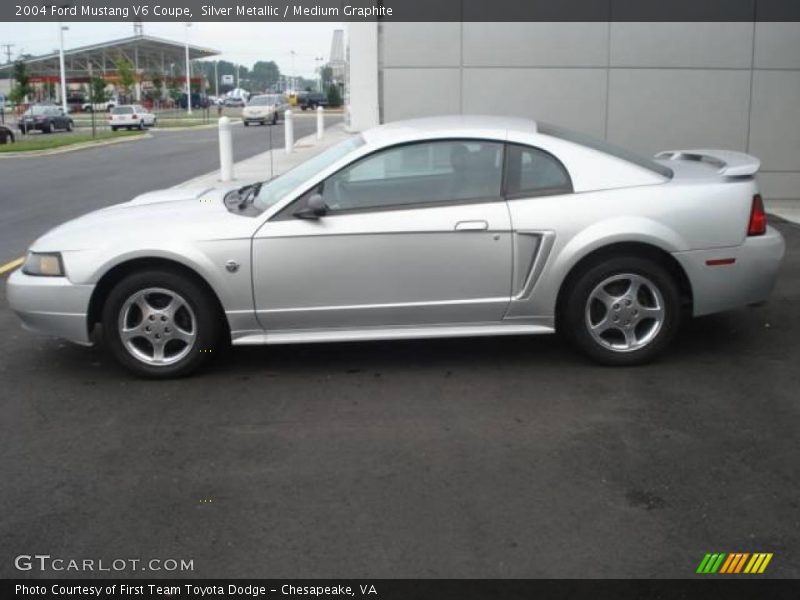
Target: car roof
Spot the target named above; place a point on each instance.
(454, 125)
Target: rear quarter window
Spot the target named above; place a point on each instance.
(604, 147)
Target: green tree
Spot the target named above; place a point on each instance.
(326, 74)
(158, 86)
(22, 87)
(334, 96)
(265, 74)
(126, 74)
(97, 91)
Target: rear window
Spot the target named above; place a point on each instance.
(122, 110)
(605, 147)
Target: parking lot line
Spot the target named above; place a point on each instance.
(10, 266)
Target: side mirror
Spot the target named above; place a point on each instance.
(314, 209)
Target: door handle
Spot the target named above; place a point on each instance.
(472, 226)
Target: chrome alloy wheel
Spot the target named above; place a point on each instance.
(625, 312)
(157, 326)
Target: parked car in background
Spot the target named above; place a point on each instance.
(100, 106)
(264, 108)
(45, 118)
(6, 135)
(131, 116)
(312, 100)
(198, 101)
(234, 101)
(439, 227)
(75, 101)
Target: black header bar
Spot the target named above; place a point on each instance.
(400, 10)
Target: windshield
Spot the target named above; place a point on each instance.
(122, 110)
(263, 100)
(273, 191)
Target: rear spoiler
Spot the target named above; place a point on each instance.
(727, 162)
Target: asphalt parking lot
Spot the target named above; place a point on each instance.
(506, 457)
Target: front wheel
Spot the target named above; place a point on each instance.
(161, 324)
(623, 311)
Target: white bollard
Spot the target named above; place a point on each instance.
(225, 150)
(320, 122)
(289, 131)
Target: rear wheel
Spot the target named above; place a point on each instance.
(113, 128)
(247, 124)
(161, 324)
(69, 125)
(623, 311)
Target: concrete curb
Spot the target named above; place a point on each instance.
(74, 147)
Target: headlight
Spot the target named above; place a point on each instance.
(46, 264)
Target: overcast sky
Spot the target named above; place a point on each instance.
(242, 43)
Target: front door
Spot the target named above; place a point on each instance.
(413, 235)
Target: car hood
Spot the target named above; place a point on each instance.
(152, 220)
(259, 109)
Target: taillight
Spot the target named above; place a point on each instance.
(758, 217)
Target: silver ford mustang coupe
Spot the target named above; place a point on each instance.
(437, 227)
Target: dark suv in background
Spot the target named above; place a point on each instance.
(312, 100)
(198, 101)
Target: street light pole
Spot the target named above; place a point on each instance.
(61, 30)
(216, 80)
(319, 61)
(294, 77)
(188, 74)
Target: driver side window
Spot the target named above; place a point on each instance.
(434, 172)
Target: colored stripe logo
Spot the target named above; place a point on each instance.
(734, 563)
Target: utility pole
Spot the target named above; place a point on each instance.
(188, 74)
(61, 29)
(8, 48)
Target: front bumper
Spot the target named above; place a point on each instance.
(748, 280)
(51, 305)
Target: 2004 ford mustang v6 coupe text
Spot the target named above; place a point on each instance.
(439, 227)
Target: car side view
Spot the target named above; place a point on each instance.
(437, 227)
(44, 118)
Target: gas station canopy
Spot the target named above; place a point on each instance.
(146, 53)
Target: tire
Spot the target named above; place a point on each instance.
(613, 326)
(113, 128)
(69, 125)
(183, 353)
(47, 128)
(246, 123)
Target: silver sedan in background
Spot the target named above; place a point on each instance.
(438, 227)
